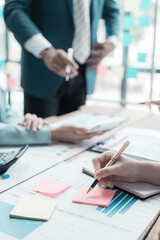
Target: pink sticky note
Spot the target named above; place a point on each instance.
(50, 187)
(96, 197)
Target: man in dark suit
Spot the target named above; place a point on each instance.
(46, 29)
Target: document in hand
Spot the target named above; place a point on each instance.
(96, 197)
(33, 209)
(93, 122)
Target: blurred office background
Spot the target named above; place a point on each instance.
(129, 75)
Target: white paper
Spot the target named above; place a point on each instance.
(144, 143)
(89, 121)
(71, 221)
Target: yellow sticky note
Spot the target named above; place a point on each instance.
(33, 209)
(118, 71)
(131, 6)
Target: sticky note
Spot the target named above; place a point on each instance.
(1, 13)
(144, 21)
(50, 187)
(127, 39)
(102, 70)
(131, 6)
(128, 22)
(145, 5)
(142, 57)
(131, 72)
(118, 71)
(2, 63)
(97, 197)
(33, 208)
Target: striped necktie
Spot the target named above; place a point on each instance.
(82, 34)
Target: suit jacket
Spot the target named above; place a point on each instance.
(55, 20)
(13, 134)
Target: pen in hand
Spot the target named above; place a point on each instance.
(112, 161)
(68, 67)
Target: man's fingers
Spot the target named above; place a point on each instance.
(92, 67)
(93, 60)
(96, 53)
(96, 45)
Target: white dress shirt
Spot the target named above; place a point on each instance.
(38, 43)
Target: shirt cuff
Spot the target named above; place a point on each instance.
(113, 40)
(37, 44)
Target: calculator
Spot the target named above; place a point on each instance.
(7, 159)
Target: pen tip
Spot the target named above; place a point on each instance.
(89, 190)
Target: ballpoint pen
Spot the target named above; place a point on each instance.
(112, 161)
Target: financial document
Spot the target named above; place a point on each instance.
(40, 158)
(89, 121)
(144, 143)
(125, 218)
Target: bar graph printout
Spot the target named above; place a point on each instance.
(127, 221)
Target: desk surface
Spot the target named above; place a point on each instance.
(136, 118)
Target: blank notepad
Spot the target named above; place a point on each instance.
(97, 197)
(33, 209)
(50, 187)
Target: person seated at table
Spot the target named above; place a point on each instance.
(33, 130)
(125, 170)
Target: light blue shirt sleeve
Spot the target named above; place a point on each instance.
(13, 134)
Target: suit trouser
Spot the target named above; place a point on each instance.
(70, 97)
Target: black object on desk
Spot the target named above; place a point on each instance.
(7, 159)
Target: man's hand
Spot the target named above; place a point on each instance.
(124, 170)
(31, 121)
(56, 61)
(71, 134)
(101, 50)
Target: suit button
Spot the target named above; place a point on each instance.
(72, 27)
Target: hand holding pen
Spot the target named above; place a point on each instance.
(157, 103)
(106, 169)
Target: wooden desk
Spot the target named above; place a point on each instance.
(136, 118)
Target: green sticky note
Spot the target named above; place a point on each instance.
(142, 57)
(144, 21)
(1, 13)
(2, 64)
(128, 22)
(131, 72)
(145, 5)
(127, 39)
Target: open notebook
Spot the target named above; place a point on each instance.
(140, 189)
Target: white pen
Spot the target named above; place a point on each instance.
(68, 67)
